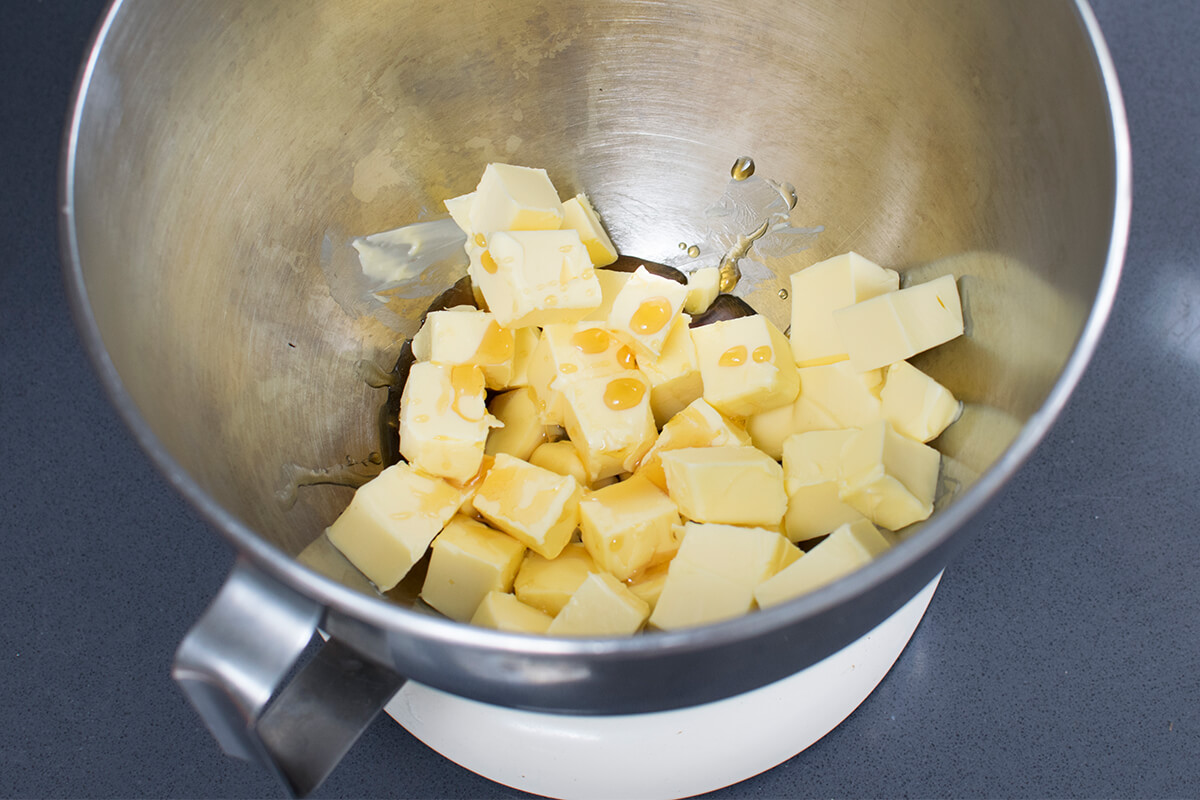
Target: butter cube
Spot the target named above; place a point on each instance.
(644, 310)
(898, 325)
(567, 353)
(848, 548)
(460, 211)
(698, 425)
(735, 485)
(770, 429)
(561, 457)
(823, 288)
(465, 335)
(579, 215)
(611, 283)
(512, 198)
(703, 286)
(887, 477)
(917, 406)
(533, 505)
(601, 606)
(813, 457)
(627, 527)
(608, 418)
(692, 596)
(746, 365)
(469, 559)
(715, 572)
(391, 520)
(504, 612)
(816, 509)
(649, 584)
(525, 342)
(443, 420)
(534, 277)
(548, 584)
(746, 555)
(674, 376)
(523, 430)
(843, 393)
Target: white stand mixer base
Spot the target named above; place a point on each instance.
(667, 754)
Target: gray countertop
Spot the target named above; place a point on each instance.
(1060, 656)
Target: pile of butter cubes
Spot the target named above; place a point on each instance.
(581, 462)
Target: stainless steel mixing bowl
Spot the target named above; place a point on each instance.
(221, 153)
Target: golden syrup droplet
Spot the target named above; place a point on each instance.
(761, 354)
(489, 264)
(614, 544)
(683, 245)
(733, 357)
(591, 341)
(623, 393)
(566, 248)
(742, 168)
(495, 347)
(783, 294)
(550, 300)
(567, 369)
(467, 383)
(693, 251)
(651, 316)
(626, 358)
(480, 241)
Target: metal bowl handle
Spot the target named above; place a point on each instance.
(234, 660)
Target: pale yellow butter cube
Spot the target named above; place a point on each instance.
(504, 612)
(644, 310)
(525, 341)
(649, 584)
(692, 596)
(703, 286)
(464, 335)
(813, 457)
(561, 457)
(611, 283)
(746, 555)
(770, 429)
(548, 584)
(534, 277)
(460, 211)
(601, 606)
(513, 198)
(391, 520)
(628, 527)
(698, 425)
(579, 215)
(917, 406)
(533, 505)
(608, 418)
(888, 477)
(443, 420)
(568, 353)
(846, 549)
(523, 430)
(674, 376)
(746, 365)
(814, 510)
(898, 325)
(469, 559)
(823, 288)
(735, 485)
(844, 394)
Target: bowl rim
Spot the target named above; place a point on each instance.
(398, 619)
